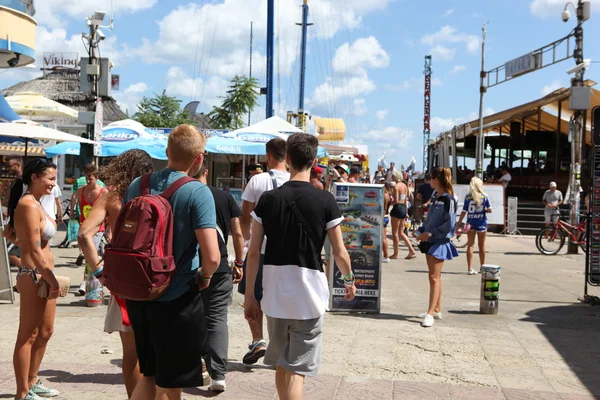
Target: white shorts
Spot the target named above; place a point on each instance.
(551, 215)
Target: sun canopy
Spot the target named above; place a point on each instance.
(119, 137)
(32, 130)
(34, 104)
(6, 112)
(274, 125)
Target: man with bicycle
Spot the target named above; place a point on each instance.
(552, 199)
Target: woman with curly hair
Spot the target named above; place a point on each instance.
(118, 175)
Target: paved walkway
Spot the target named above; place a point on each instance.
(542, 345)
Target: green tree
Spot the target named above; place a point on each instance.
(161, 111)
(241, 98)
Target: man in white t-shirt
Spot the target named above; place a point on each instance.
(505, 178)
(260, 183)
(52, 204)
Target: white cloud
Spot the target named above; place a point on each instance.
(53, 12)
(329, 93)
(449, 34)
(359, 107)
(553, 8)
(444, 124)
(547, 89)
(363, 53)
(181, 85)
(414, 84)
(442, 53)
(449, 12)
(391, 138)
(382, 114)
(215, 35)
(457, 69)
(129, 98)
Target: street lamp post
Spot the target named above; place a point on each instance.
(480, 140)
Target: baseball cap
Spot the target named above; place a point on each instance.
(552, 184)
(344, 167)
(355, 170)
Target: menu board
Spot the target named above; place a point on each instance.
(594, 259)
(362, 227)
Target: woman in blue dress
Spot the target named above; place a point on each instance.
(477, 206)
(435, 235)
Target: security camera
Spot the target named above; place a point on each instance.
(566, 14)
(579, 67)
(14, 61)
(100, 34)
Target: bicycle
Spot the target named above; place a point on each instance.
(551, 239)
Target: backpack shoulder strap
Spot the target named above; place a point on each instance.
(145, 185)
(292, 205)
(175, 186)
(273, 179)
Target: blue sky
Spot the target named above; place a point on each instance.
(365, 58)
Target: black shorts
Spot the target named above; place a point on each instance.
(258, 287)
(398, 211)
(170, 339)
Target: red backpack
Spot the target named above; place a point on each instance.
(139, 263)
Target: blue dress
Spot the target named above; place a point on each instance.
(440, 223)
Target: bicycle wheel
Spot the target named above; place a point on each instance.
(583, 242)
(549, 242)
(460, 241)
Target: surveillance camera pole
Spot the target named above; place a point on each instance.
(93, 60)
(577, 128)
(480, 139)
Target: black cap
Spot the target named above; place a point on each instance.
(355, 170)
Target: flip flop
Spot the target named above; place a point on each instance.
(410, 258)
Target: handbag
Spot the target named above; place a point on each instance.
(424, 246)
(64, 282)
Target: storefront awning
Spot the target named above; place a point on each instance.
(10, 150)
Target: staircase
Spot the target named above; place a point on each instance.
(530, 216)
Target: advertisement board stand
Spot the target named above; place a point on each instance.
(6, 291)
(362, 230)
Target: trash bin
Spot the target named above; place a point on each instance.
(490, 289)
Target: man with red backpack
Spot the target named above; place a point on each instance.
(163, 286)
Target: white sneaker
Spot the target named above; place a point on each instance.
(385, 260)
(218, 385)
(427, 321)
(436, 315)
(473, 272)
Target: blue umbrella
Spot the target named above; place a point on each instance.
(119, 137)
(233, 145)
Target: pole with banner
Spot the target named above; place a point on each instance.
(98, 122)
(513, 204)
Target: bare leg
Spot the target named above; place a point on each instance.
(406, 240)
(30, 317)
(481, 236)
(289, 385)
(435, 284)
(167, 394)
(145, 389)
(395, 237)
(131, 367)
(384, 243)
(14, 260)
(45, 331)
(470, 248)
(256, 328)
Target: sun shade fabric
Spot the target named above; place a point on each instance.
(34, 104)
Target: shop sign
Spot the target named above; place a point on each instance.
(229, 149)
(61, 60)
(521, 65)
(256, 137)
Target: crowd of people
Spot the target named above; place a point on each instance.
(288, 217)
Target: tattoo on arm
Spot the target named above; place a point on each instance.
(36, 230)
(38, 244)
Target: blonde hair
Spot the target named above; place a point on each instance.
(476, 190)
(185, 143)
(398, 176)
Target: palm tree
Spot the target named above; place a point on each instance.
(241, 98)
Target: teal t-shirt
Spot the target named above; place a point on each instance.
(193, 208)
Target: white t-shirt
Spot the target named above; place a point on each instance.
(49, 201)
(261, 183)
(505, 179)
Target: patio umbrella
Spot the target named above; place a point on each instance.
(34, 104)
(28, 130)
(119, 137)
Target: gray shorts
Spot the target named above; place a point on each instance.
(295, 344)
(551, 215)
(99, 243)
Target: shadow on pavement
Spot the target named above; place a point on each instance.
(241, 367)
(385, 316)
(463, 312)
(422, 271)
(67, 377)
(573, 331)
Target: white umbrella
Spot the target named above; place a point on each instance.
(34, 104)
(30, 130)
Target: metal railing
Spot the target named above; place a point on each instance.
(24, 6)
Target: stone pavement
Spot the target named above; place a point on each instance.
(542, 345)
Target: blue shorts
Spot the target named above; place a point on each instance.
(479, 227)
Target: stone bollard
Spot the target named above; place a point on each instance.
(490, 289)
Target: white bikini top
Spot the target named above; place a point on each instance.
(49, 229)
(402, 197)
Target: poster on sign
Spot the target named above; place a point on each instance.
(362, 230)
(115, 81)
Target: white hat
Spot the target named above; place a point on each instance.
(552, 184)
